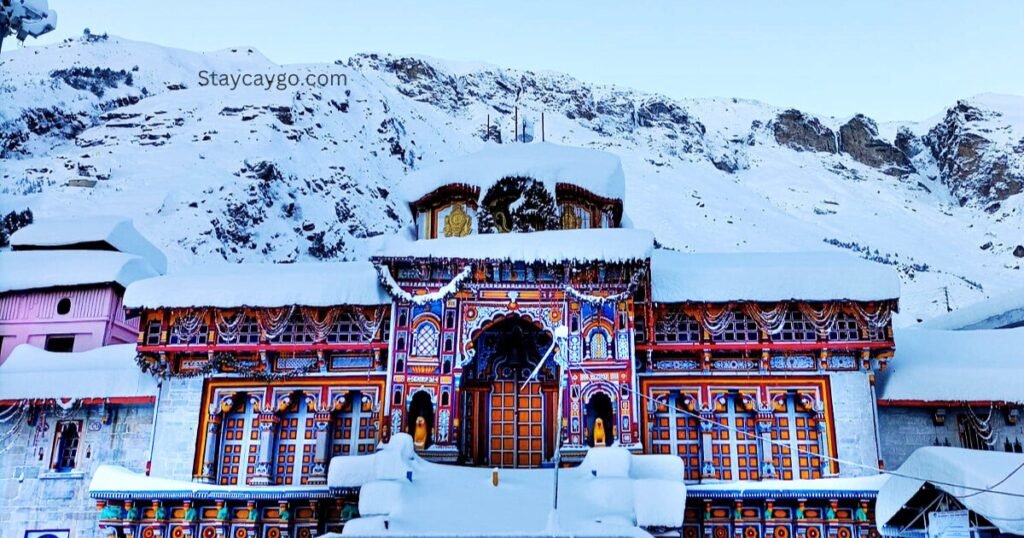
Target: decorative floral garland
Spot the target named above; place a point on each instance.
(214, 365)
(446, 291)
(599, 300)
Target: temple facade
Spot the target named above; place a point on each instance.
(521, 323)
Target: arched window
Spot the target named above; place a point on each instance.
(599, 345)
(66, 450)
(424, 339)
(239, 443)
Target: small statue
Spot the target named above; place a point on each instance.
(420, 433)
(599, 436)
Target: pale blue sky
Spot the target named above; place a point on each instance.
(890, 59)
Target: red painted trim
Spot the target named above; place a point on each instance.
(758, 346)
(294, 348)
(117, 400)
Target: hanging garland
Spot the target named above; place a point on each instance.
(877, 319)
(321, 326)
(14, 416)
(716, 322)
(769, 321)
(187, 324)
(441, 294)
(823, 320)
(229, 331)
(216, 365)
(599, 300)
(368, 327)
(274, 321)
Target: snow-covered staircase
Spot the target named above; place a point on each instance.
(612, 493)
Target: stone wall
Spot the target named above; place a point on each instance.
(853, 409)
(35, 498)
(176, 427)
(905, 429)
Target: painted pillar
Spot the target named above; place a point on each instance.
(208, 473)
(765, 420)
(321, 455)
(268, 432)
(707, 467)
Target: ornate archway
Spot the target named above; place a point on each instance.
(508, 422)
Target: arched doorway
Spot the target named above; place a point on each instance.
(600, 417)
(420, 424)
(507, 424)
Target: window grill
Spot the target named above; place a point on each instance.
(425, 340)
(796, 328)
(741, 329)
(599, 345)
(677, 328)
(200, 337)
(846, 329)
(297, 331)
(153, 333)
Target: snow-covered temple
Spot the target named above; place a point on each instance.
(520, 325)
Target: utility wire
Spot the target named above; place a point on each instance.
(748, 435)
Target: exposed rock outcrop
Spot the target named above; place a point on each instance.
(859, 139)
(973, 165)
(803, 132)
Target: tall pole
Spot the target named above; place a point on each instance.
(558, 430)
(542, 127)
(515, 121)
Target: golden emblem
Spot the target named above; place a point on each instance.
(458, 223)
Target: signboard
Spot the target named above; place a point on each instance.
(955, 524)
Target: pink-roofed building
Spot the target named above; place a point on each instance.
(62, 285)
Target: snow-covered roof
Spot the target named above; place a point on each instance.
(955, 366)
(553, 246)
(35, 269)
(847, 487)
(105, 372)
(964, 474)
(118, 232)
(116, 482)
(679, 277)
(261, 285)
(1003, 310)
(597, 171)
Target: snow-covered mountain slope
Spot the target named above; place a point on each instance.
(211, 173)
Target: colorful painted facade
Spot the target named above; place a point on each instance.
(454, 336)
